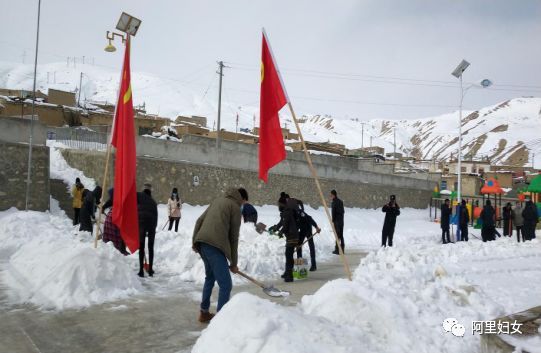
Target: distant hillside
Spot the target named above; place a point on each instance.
(507, 133)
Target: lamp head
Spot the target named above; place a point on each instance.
(485, 83)
(110, 48)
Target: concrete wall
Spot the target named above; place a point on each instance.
(245, 157)
(14, 165)
(166, 174)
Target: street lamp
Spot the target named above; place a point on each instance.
(127, 24)
(29, 171)
(484, 84)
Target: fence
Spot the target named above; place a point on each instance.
(79, 138)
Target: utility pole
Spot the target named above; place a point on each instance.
(533, 160)
(394, 143)
(362, 136)
(80, 88)
(371, 141)
(30, 139)
(218, 132)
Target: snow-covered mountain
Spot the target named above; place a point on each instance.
(507, 132)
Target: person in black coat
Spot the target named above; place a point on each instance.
(464, 219)
(288, 226)
(147, 210)
(337, 210)
(530, 217)
(445, 222)
(488, 216)
(87, 211)
(507, 217)
(305, 223)
(282, 201)
(392, 210)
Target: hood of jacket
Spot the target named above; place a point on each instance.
(234, 194)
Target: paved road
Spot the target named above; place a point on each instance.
(151, 323)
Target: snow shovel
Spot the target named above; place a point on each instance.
(306, 241)
(165, 224)
(268, 290)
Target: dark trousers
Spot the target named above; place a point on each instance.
(340, 232)
(176, 220)
(507, 228)
(76, 216)
(311, 245)
(445, 236)
(150, 232)
(216, 270)
(290, 250)
(387, 236)
(528, 231)
(488, 233)
(519, 231)
(464, 232)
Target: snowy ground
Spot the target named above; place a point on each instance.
(51, 264)
(396, 303)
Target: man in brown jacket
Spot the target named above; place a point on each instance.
(216, 239)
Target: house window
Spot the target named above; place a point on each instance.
(463, 169)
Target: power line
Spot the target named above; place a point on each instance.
(383, 79)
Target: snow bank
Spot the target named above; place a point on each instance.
(63, 274)
(52, 265)
(396, 303)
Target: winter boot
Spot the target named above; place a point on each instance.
(313, 267)
(288, 276)
(141, 273)
(205, 316)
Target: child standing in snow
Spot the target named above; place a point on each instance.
(77, 193)
(174, 205)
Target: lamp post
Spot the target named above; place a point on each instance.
(484, 84)
(29, 171)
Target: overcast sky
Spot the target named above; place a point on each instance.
(356, 59)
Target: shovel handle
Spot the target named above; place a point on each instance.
(306, 241)
(251, 279)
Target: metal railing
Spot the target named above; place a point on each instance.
(79, 138)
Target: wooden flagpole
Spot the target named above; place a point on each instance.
(316, 179)
(108, 157)
(104, 190)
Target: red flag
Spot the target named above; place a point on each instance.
(273, 98)
(125, 193)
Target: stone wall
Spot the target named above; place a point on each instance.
(244, 156)
(13, 174)
(14, 134)
(212, 180)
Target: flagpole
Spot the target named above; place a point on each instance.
(108, 157)
(104, 189)
(316, 179)
(309, 160)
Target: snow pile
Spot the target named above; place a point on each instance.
(53, 266)
(396, 303)
(261, 255)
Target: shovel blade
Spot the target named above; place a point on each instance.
(274, 292)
